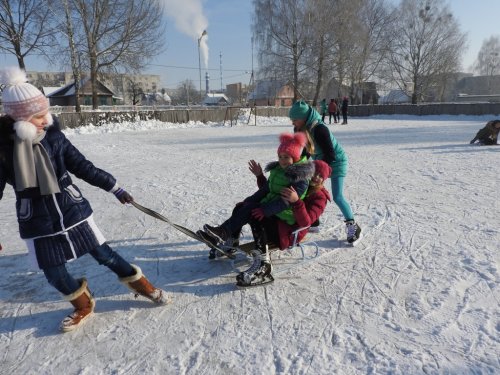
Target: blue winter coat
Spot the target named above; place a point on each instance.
(39, 215)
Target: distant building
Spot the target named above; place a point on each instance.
(395, 97)
(335, 90)
(122, 85)
(125, 84)
(156, 98)
(49, 90)
(216, 99)
(272, 93)
(363, 93)
(49, 79)
(366, 93)
(65, 96)
(237, 92)
(478, 89)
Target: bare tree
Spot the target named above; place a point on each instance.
(74, 54)
(320, 18)
(185, 93)
(309, 41)
(281, 33)
(134, 91)
(23, 27)
(371, 22)
(345, 23)
(426, 43)
(119, 34)
(488, 58)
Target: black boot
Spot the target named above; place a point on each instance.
(353, 231)
(261, 268)
(229, 246)
(216, 235)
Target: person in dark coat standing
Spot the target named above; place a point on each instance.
(345, 105)
(54, 218)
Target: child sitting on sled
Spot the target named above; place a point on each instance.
(290, 171)
(276, 232)
(306, 211)
(272, 228)
(488, 135)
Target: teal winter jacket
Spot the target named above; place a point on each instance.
(326, 146)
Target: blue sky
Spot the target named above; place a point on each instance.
(228, 23)
(229, 33)
(479, 19)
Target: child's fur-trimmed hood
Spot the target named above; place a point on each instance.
(295, 172)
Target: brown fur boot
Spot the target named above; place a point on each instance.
(140, 285)
(83, 303)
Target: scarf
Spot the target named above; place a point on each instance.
(32, 166)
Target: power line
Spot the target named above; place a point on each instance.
(192, 68)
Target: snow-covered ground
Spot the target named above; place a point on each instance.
(419, 295)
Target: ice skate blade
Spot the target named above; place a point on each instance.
(268, 280)
(353, 244)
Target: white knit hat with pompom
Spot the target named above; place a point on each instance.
(21, 100)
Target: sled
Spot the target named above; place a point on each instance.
(278, 256)
(180, 228)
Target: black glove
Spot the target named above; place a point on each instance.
(123, 196)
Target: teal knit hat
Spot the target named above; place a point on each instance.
(299, 110)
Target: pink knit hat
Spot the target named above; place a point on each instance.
(292, 144)
(21, 100)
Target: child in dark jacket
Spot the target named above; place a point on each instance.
(488, 135)
(291, 170)
(55, 220)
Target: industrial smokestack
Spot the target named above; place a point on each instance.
(207, 83)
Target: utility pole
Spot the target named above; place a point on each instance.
(220, 56)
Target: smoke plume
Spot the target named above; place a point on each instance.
(189, 19)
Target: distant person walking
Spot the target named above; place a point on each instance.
(345, 105)
(332, 110)
(322, 105)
